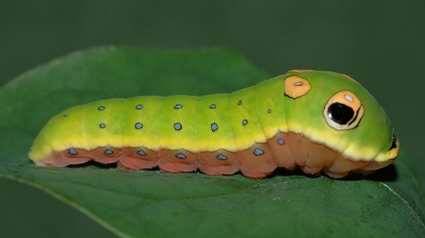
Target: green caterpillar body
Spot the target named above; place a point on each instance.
(311, 119)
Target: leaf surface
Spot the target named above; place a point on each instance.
(391, 202)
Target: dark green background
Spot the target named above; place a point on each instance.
(378, 43)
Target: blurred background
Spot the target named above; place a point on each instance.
(378, 43)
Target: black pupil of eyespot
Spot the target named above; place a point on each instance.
(340, 113)
(394, 143)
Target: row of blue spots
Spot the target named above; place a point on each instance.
(214, 127)
(73, 151)
(220, 156)
(138, 107)
(177, 126)
(138, 125)
(179, 106)
(258, 152)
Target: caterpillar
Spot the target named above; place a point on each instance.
(316, 120)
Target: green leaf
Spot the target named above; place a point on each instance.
(148, 203)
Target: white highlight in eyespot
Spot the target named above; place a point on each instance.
(298, 84)
(348, 97)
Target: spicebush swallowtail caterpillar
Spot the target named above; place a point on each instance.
(319, 121)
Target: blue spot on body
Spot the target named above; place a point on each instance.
(181, 156)
(101, 108)
(102, 125)
(138, 125)
(65, 115)
(108, 152)
(213, 106)
(258, 152)
(221, 157)
(177, 126)
(141, 152)
(139, 107)
(269, 111)
(240, 102)
(244, 122)
(280, 141)
(72, 151)
(214, 127)
(178, 106)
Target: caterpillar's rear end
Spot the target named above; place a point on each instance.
(315, 120)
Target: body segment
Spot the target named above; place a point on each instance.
(312, 119)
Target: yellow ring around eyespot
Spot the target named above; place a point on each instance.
(349, 99)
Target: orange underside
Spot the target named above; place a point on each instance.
(256, 162)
